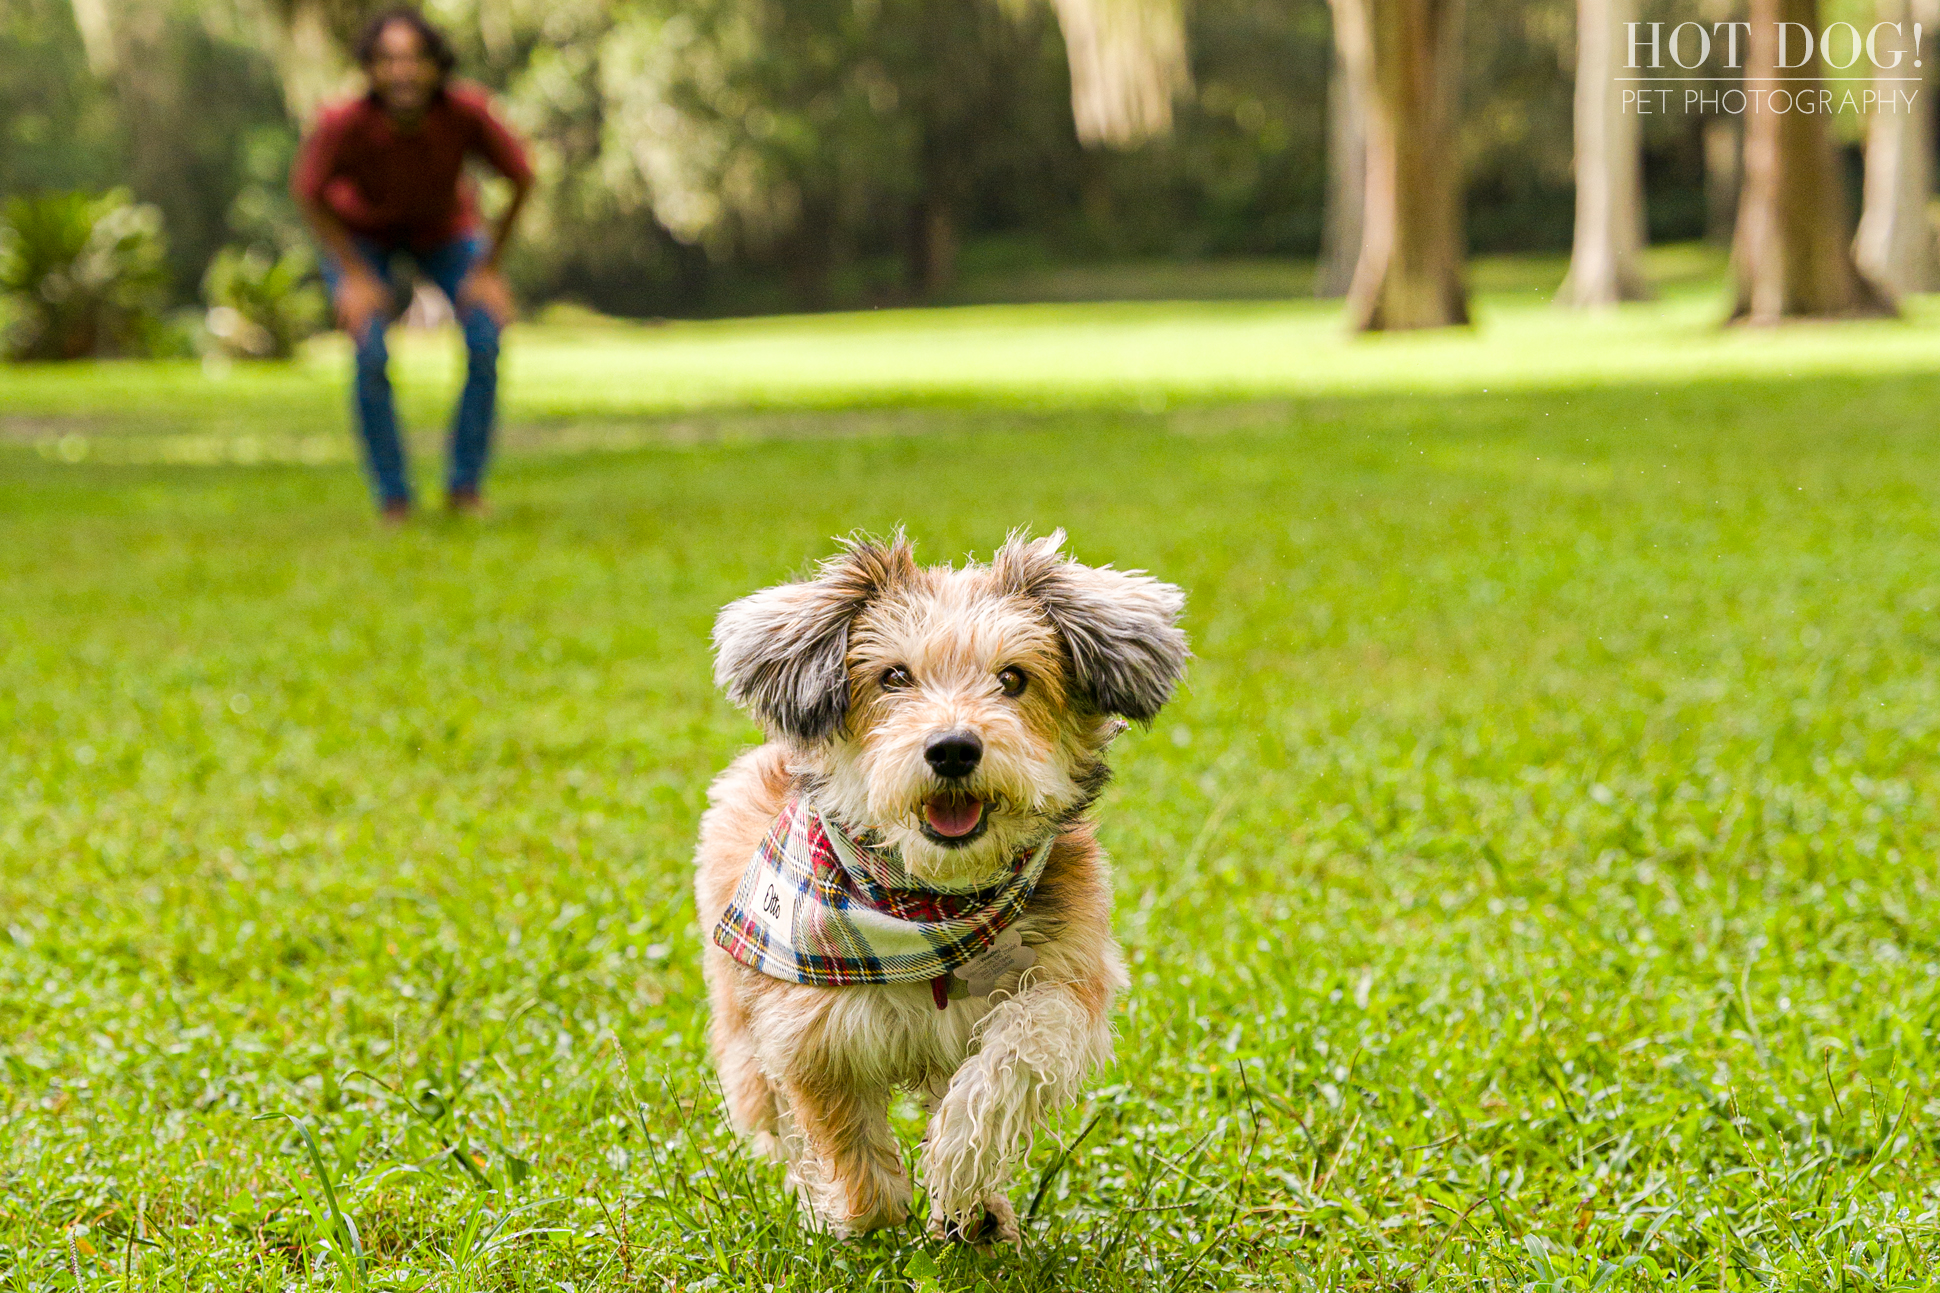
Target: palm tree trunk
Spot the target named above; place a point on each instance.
(1894, 246)
(1607, 251)
(1340, 230)
(1793, 253)
(1410, 269)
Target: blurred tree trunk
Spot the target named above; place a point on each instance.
(954, 100)
(128, 47)
(932, 264)
(1607, 250)
(810, 254)
(1894, 246)
(1340, 230)
(1793, 255)
(1724, 149)
(1723, 140)
(1410, 270)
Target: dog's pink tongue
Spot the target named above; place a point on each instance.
(953, 815)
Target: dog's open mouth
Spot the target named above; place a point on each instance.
(953, 819)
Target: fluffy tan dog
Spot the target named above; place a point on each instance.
(935, 738)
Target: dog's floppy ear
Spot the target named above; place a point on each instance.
(1121, 626)
(781, 653)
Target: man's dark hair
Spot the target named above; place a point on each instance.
(432, 41)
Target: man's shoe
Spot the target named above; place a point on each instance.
(395, 512)
(465, 502)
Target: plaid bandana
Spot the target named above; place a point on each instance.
(818, 907)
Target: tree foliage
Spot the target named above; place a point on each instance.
(85, 275)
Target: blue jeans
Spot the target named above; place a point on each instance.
(471, 426)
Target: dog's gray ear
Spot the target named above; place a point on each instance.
(781, 653)
(1121, 626)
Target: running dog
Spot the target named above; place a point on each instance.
(902, 888)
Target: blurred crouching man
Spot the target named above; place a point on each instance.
(383, 176)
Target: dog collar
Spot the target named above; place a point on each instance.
(817, 906)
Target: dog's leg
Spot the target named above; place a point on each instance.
(1037, 1049)
(750, 1096)
(750, 1099)
(998, 1222)
(844, 1159)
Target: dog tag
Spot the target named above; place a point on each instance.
(1007, 954)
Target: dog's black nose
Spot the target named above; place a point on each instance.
(954, 753)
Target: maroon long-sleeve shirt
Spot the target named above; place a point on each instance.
(406, 188)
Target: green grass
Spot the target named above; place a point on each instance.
(1534, 884)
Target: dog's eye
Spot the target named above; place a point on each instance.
(895, 676)
(1012, 680)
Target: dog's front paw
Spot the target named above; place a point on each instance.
(978, 1132)
(993, 1222)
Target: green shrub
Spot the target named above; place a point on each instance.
(259, 307)
(84, 274)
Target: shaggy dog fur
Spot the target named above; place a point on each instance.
(851, 674)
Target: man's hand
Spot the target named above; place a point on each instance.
(361, 297)
(486, 288)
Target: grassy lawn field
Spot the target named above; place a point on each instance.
(1533, 887)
